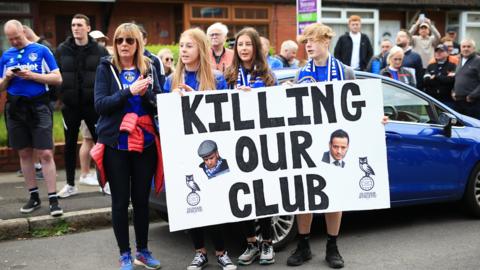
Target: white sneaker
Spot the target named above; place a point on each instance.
(89, 180)
(67, 191)
(249, 255)
(106, 189)
(268, 255)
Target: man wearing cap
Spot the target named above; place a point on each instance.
(213, 165)
(78, 57)
(452, 34)
(99, 37)
(466, 91)
(424, 43)
(440, 76)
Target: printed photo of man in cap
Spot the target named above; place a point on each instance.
(213, 165)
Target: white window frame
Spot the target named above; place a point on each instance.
(464, 24)
(343, 19)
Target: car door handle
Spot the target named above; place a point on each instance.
(393, 135)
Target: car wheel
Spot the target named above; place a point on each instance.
(284, 230)
(472, 193)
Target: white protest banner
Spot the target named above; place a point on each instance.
(232, 155)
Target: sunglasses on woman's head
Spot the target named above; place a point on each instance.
(130, 41)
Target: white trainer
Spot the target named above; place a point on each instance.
(67, 191)
(89, 180)
(106, 189)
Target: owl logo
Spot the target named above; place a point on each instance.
(366, 182)
(193, 198)
(33, 56)
(129, 76)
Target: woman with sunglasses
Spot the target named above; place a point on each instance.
(128, 150)
(194, 73)
(395, 70)
(250, 70)
(166, 56)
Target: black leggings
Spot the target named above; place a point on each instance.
(130, 174)
(216, 233)
(248, 228)
(72, 118)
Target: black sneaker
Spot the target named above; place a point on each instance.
(225, 262)
(55, 210)
(199, 261)
(299, 256)
(333, 257)
(30, 206)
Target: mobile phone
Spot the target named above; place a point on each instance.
(15, 69)
(421, 17)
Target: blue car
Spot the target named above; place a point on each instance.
(433, 153)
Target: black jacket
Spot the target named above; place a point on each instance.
(467, 78)
(111, 98)
(78, 66)
(344, 47)
(440, 87)
(160, 70)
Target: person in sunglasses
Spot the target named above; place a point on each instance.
(194, 73)
(78, 57)
(26, 70)
(127, 153)
(166, 56)
(250, 70)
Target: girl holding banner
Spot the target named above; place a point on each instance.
(320, 67)
(250, 70)
(194, 73)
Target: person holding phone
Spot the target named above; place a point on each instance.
(128, 150)
(26, 70)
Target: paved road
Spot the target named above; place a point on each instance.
(433, 237)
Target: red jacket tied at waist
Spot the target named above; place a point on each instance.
(133, 125)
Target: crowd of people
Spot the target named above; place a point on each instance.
(108, 95)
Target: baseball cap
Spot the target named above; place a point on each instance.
(441, 47)
(451, 29)
(206, 148)
(425, 25)
(97, 35)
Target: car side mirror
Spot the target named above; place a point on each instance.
(447, 120)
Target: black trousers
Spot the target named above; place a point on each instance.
(248, 228)
(130, 175)
(216, 234)
(471, 109)
(72, 118)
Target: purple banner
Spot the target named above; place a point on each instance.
(307, 6)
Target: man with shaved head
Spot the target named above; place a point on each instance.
(466, 90)
(26, 70)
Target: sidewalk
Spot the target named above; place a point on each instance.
(89, 207)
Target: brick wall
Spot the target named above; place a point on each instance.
(9, 161)
(285, 27)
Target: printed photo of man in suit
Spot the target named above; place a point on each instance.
(213, 165)
(338, 147)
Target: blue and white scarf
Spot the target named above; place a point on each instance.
(211, 172)
(335, 71)
(245, 78)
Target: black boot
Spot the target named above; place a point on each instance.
(333, 257)
(301, 254)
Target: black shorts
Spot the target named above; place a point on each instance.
(34, 131)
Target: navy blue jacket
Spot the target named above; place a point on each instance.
(111, 98)
(160, 71)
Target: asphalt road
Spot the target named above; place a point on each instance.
(431, 237)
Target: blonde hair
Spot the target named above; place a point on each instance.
(162, 53)
(317, 32)
(394, 51)
(205, 75)
(131, 30)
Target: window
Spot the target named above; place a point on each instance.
(337, 19)
(470, 25)
(14, 8)
(235, 17)
(401, 105)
